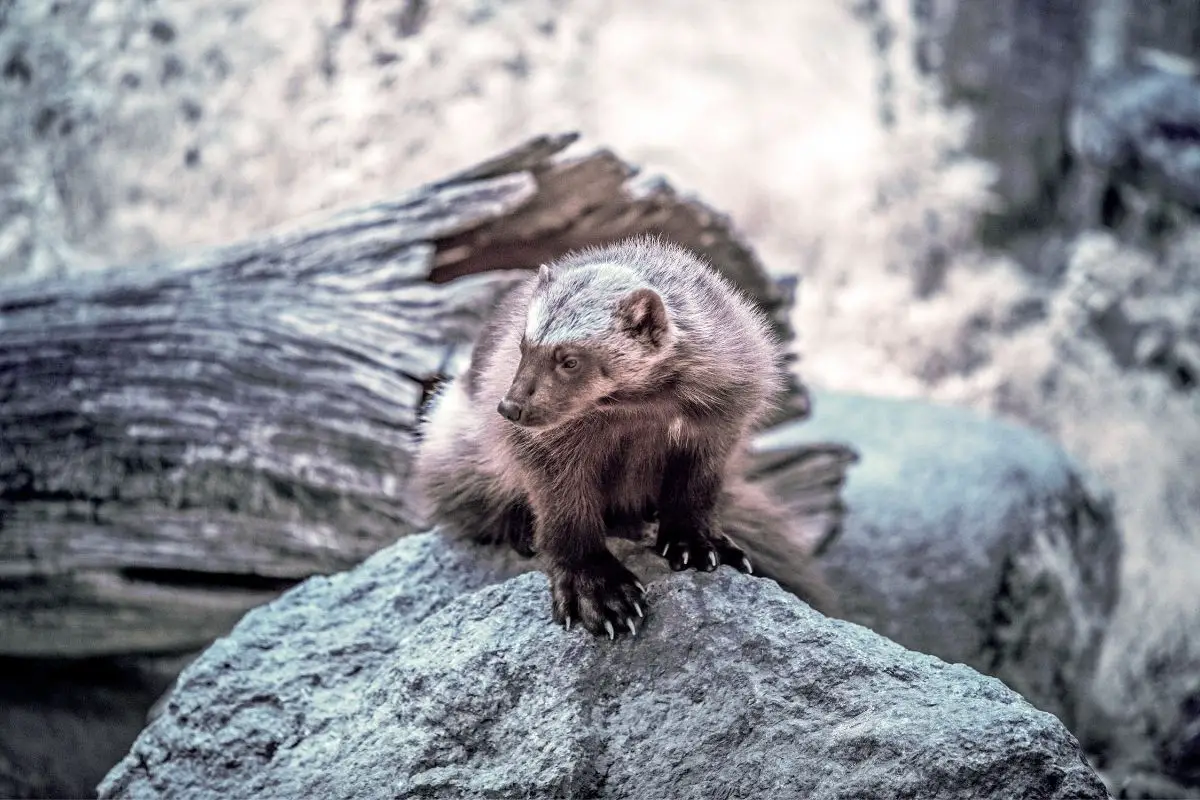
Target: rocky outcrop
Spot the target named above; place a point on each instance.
(401, 679)
(973, 539)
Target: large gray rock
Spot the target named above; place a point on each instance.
(972, 539)
(397, 680)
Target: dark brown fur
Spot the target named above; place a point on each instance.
(619, 384)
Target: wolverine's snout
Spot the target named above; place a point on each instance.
(515, 405)
(510, 411)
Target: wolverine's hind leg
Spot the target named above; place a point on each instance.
(467, 505)
(465, 500)
(515, 528)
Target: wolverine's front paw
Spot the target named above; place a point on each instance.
(683, 549)
(604, 597)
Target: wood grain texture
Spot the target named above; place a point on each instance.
(182, 440)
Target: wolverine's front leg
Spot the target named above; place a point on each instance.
(689, 534)
(588, 584)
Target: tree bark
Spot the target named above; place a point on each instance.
(181, 441)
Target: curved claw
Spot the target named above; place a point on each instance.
(712, 558)
(746, 564)
(686, 555)
(599, 595)
(641, 588)
(666, 547)
(638, 608)
(629, 624)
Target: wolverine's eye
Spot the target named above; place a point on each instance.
(569, 363)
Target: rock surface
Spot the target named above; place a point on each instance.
(974, 540)
(395, 679)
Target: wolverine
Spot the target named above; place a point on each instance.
(617, 386)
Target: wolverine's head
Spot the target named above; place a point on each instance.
(589, 331)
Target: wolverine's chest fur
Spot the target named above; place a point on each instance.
(632, 472)
(623, 460)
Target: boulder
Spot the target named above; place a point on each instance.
(400, 678)
(972, 539)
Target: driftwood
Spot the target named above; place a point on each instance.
(183, 440)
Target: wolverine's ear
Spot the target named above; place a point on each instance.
(544, 274)
(642, 315)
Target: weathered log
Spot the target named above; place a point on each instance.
(182, 440)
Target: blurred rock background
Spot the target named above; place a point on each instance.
(989, 203)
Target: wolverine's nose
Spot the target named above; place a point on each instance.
(509, 410)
